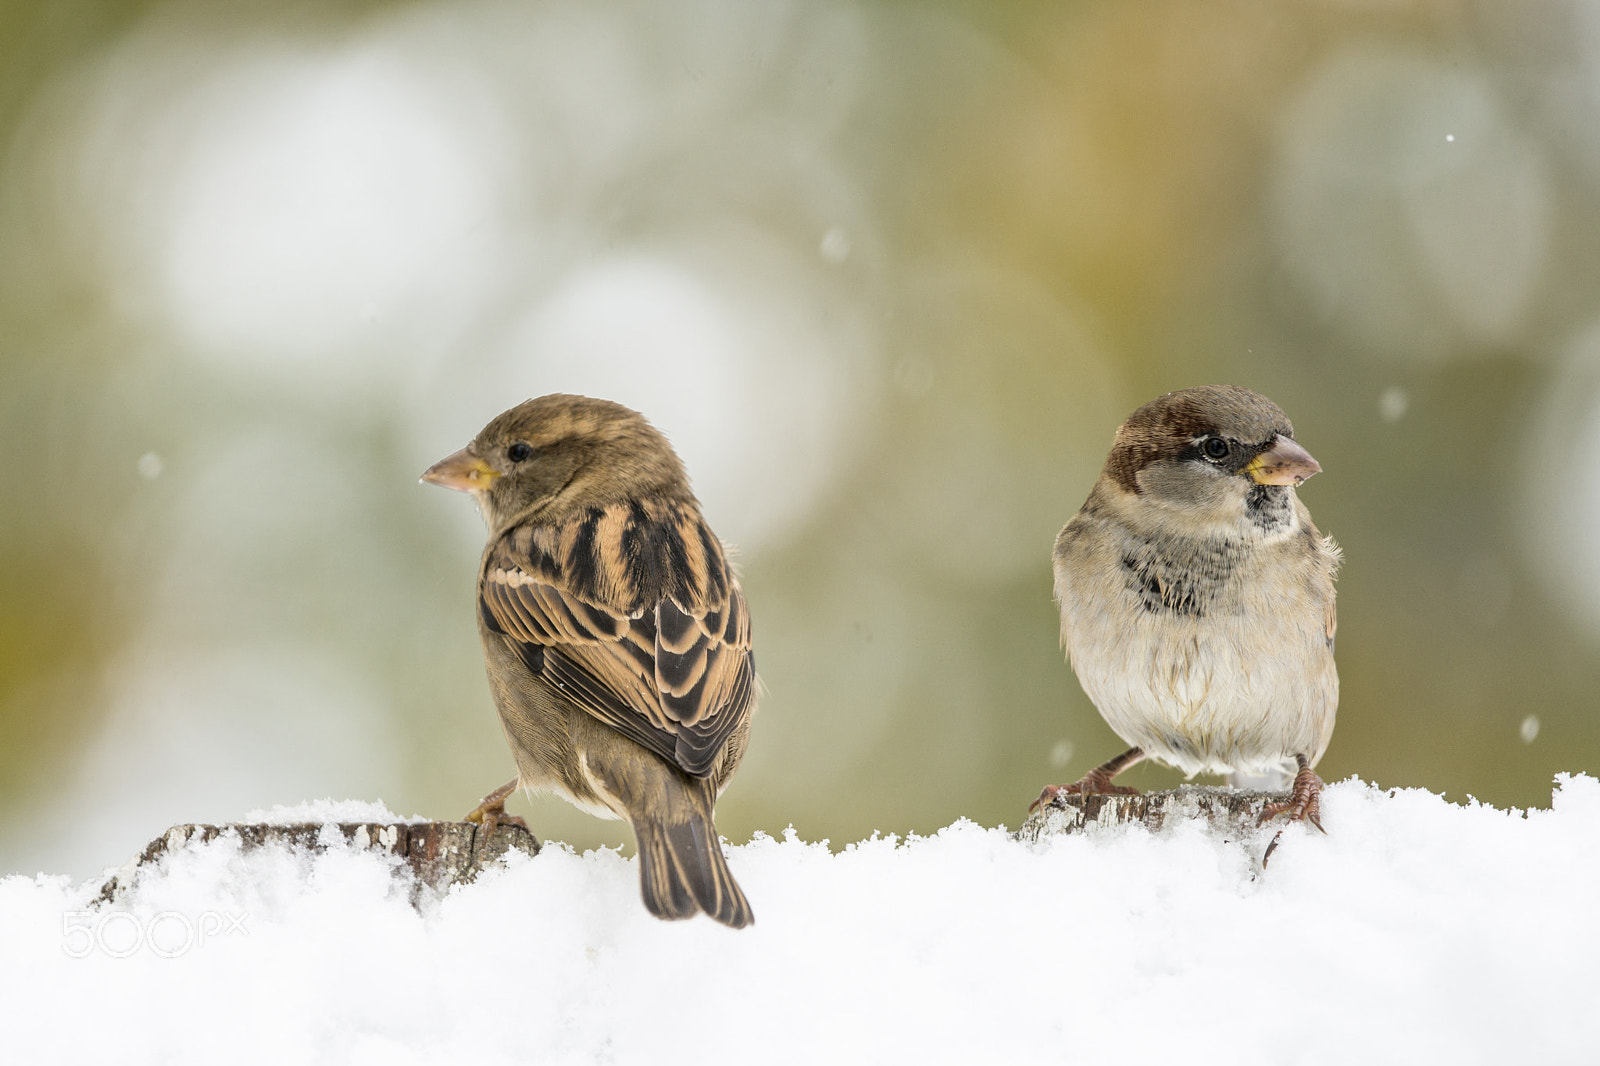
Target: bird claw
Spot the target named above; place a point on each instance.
(491, 813)
(1090, 784)
(1046, 797)
(1298, 811)
(1303, 805)
(493, 819)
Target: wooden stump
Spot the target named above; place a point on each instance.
(437, 854)
(1231, 810)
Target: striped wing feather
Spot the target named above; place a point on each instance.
(655, 643)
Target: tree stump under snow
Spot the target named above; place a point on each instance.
(1225, 808)
(438, 854)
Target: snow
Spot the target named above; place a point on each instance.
(1416, 930)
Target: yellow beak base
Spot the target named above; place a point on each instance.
(461, 471)
(1285, 463)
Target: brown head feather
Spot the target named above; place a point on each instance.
(581, 453)
(1165, 426)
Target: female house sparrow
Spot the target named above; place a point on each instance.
(615, 634)
(1197, 597)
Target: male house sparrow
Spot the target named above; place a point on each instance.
(1197, 597)
(615, 634)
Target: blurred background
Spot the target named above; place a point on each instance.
(888, 274)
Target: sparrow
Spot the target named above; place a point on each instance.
(1196, 596)
(615, 634)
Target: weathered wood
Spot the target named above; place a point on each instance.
(1234, 810)
(436, 854)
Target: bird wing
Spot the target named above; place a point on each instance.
(633, 613)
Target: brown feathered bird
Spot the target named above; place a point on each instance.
(1196, 596)
(615, 633)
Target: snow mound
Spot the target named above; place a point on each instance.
(1416, 930)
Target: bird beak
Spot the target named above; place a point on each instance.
(462, 471)
(1285, 463)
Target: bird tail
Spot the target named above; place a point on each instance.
(682, 871)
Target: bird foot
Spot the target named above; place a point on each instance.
(1304, 803)
(1092, 783)
(491, 813)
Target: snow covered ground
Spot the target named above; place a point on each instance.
(1416, 931)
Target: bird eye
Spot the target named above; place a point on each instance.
(1215, 448)
(518, 452)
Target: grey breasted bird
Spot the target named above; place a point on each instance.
(615, 633)
(1196, 596)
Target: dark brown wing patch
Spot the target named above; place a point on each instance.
(703, 664)
(636, 620)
